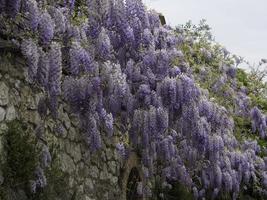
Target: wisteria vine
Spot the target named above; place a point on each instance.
(117, 66)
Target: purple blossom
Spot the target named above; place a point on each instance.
(45, 157)
(190, 91)
(175, 71)
(80, 60)
(32, 14)
(46, 28)
(43, 69)
(94, 27)
(137, 30)
(168, 91)
(154, 19)
(231, 71)
(160, 38)
(171, 41)
(129, 35)
(108, 118)
(144, 94)
(180, 133)
(77, 93)
(59, 19)
(59, 129)
(206, 53)
(136, 8)
(72, 4)
(30, 52)
(219, 84)
(40, 181)
(227, 180)
(242, 104)
(54, 77)
(2, 6)
(218, 176)
(55, 69)
(258, 122)
(147, 37)
(104, 45)
(93, 135)
(13, 7)
(162, 120)
(121, 149)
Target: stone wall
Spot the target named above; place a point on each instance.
(85, 176)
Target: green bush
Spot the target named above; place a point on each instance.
(22, 154)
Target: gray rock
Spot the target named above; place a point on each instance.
(74, 135)
(89, 184)
(104, 173)
(103, 156)
(3, 128)
(94, 172)
(17, 84)
(7, 76)
(80, 190)
(71, 181)
(1, 149)
(88, 198)
(14, 97)
(114, 180)
(59, 130)
(32, 117)
(67, 164)
(31, 103)
(74, 120)
(64, 118)
(3, 94)
(2, 114)
(109, 154)
(74, 150)
(20, 195)
(1, 178)
(10, 113)
(76, 153)
(112, 167)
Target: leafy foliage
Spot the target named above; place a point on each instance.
(22, 156)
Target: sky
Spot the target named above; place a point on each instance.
(239, 25)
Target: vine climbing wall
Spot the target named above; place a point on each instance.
(68, 170)
(87, 84)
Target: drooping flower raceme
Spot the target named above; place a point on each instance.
(32, 14)
(30, 51)
(46, 28)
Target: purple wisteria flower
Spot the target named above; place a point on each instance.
(46, 28)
